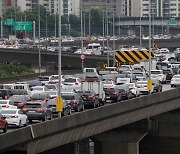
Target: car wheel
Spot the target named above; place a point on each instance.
(20, 124)
(50, 117)
(82, 107)
(78, 108)
(44, 118)
(5, 128)
(69, 111)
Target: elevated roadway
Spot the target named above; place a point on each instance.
(47, 135)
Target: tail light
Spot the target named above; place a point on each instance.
(43, 100)
(54, 97)
(114, 93)
(6, 106)
(24, 109)
(90, 96)
(76, 83)
(73, 101)
(14, 116)
(5, 97)
(40, 110)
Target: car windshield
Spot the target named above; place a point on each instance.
(37, 88)
(138, 74)
(3, 102)
(68, 97)
(155, 72)
(32, 106)
(70, 80)
(8, 112)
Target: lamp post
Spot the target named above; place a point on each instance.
(46, 31)
(81, 27)
(89, 22)
(150, 81)
(140, 31)
(59, 99)
(103, 27)
(1, 15)
(162, 17)
(39, 39)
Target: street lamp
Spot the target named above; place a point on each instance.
(81, 27)
(46, 31)
(1, 15)
(39, 40)
(150, 81)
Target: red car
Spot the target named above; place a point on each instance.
(3, 123)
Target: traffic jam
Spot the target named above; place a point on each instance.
(24, 103)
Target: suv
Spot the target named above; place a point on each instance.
(89, 98)
(37, 111)
(75, 100)
(3, 123)
(112, 94)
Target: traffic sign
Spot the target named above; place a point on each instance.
(172, 21)
(22, 25)
(82, 57)
(8, 22)
(59, 105)
(154, 45)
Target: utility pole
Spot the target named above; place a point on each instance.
(39, 39)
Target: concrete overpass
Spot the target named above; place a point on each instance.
(96, 123)
(30, 57)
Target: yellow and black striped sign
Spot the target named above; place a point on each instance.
(132, 56)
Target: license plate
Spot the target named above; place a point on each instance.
(107, 97)
(31, 111)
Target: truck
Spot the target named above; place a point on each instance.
(97, 87)
(21, 88)
(145, 64)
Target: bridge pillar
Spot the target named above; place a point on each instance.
(164, 136)
(115, 142)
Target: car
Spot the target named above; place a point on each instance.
(52, 87)
(33, 83)
(75, 100)
(89, 98)
(134, 89)
(7, 104)
(72, 82)
(169, 74)
(66, 107)
(140, 75)
(44, 97)
(125, 91)
(18, 100)
(44, 79)
(175, 81)
(15, 117)
(37, 110)
(53, 94)
(112, 94)
(108, 84)
(38, 89)
(158, 74)
(3, 123)
(157, 85)
(5, 93)
(142, 85)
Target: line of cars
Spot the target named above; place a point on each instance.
(25, 102)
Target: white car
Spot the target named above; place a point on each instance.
(15, 117)
(7, 104)
(108, 84)
(142, 85)
(159, 75)
(134, 89)
(71, 82)
(175, 81)
(39, 89)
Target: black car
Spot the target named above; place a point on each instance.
(66, 107)
(89, 98)
(75, 100)
(112, 94)
(125, 91)
(157, 85)
(37, 111)
(5, 93)
(169, 74)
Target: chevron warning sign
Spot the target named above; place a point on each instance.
(132, 56)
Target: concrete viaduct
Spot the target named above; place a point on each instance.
(121, 127)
